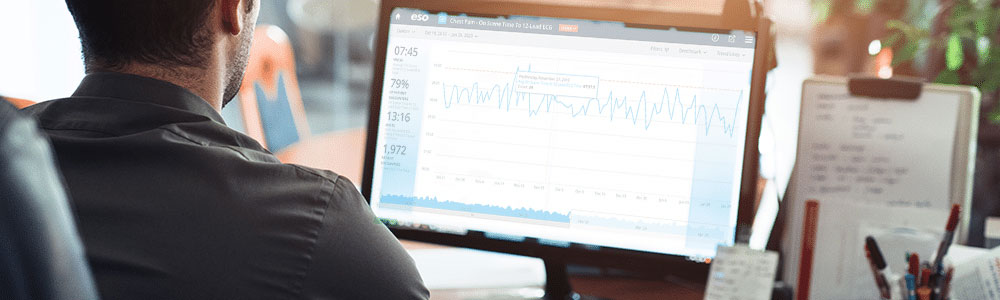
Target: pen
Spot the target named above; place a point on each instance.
(878, 266)
(947, 284)
(903, 292)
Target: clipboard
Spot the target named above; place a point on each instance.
(874, 155)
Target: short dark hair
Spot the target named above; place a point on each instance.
(114, 33)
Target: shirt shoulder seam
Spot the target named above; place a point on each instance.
(299, 287)
(228, 147)
(75, 129)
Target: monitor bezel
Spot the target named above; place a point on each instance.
(639, 261)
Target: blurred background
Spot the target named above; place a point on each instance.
(949, 41)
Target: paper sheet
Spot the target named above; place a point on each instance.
(978, 278)
(959, 255)
(889, 155)
(741, 273)
(458, 268)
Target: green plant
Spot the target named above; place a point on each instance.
(821, 9)
(958, 40)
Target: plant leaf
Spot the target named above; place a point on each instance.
(983, 49)
(981, 23)
(863, 7)
(992, 23)
(990, 78)
(907, 53)
(909, 31)
(947, 77)
(892, 39)
(990, 85)
(896, 24)
(821, 11)
(953, 54)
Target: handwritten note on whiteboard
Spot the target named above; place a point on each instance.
(876, 151)
(873, 164)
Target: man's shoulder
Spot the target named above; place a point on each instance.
(246, 160)
(49, 106)
(326, 177)
(216, 150)
(37, 108)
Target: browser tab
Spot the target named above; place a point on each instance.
(442, 18)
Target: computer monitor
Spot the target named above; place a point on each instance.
(579, 135)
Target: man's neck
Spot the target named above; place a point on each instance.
(196, 80)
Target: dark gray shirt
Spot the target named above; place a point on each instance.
(172, 204)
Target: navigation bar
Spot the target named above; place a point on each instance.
(658, 49)
(571, 27)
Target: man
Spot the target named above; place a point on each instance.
(172, 204)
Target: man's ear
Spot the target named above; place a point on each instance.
(229, 11)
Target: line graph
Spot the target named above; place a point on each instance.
(506, 97)
(506, 211)
(633, 133)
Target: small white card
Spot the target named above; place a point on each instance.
(742, 273)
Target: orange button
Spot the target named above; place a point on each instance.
(568, 28)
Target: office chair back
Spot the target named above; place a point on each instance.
(41, 256)
(270, 99)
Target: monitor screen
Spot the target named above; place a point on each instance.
(563, 131)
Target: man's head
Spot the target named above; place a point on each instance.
(168, 35)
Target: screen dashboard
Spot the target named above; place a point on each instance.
(561, 130)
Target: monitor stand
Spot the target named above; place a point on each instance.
(557, 286)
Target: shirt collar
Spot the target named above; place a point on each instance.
(144, 89)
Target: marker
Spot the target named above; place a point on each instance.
(879, 268)
(903, 292)
(949, 235)
(915, 265)
(925, 277)
(911, 287)
(938, 278)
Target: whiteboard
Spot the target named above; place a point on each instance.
(875, 166)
